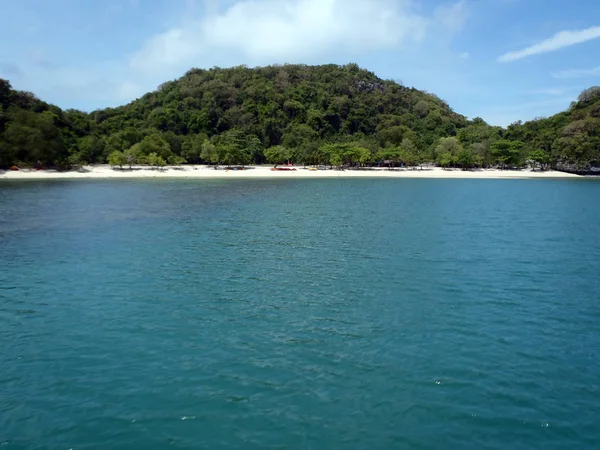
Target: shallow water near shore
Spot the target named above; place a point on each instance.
(342, 313)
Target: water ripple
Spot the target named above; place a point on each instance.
(314, 314)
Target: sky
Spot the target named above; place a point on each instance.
(502, 60)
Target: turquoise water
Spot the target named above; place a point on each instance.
(317, 314)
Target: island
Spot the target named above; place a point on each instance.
(341, 119)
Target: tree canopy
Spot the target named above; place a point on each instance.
(329, 114)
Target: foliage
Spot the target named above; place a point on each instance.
(117, 158)
(569, 140)
(233, 147)
(278, 154)
(507, 153)
(349, 154)
(133, 155)
(329, 114)
(540, 158)
(155, 160)
(176, 160)
(447, 151)
(209, 152)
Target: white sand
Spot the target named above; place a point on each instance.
(105, 171)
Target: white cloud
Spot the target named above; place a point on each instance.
(452, 16)
(227, 33)
(258, 32)
(556, 42)
(577, 73)
(464, 55)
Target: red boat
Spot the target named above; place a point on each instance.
(287, 167)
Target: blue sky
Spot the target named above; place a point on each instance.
(503, 60)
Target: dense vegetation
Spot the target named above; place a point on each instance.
(335, 115)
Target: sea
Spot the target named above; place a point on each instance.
(300, 314)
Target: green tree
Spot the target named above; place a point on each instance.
(19, 141)
(176, 160)
(507, 153)
(254, 148)
(330, 154)
(134, 155)
(540, 158)
(117, 158)
(447, 151)
(155, 143)
(5, 92)
(339, 154)
(155, 160)
(447, 159)
(482, 154)
(466, 159)
(191, 148)
(90, 149)
(175, 141)
(410, 153)
(277, 154)
(233, 147)
(364, 155)
(392, 136)
(209, 153)
(335, 159)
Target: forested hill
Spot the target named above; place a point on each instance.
(308, 114)
(570, 139)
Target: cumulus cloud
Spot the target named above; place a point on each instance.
(208, 33)
(257, 32)
(556, 42)
(577, 73)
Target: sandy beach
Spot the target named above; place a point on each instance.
(105, 171)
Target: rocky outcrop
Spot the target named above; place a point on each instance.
(364, 86)
(593, 169)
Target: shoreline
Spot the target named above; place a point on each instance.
(208, 172)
